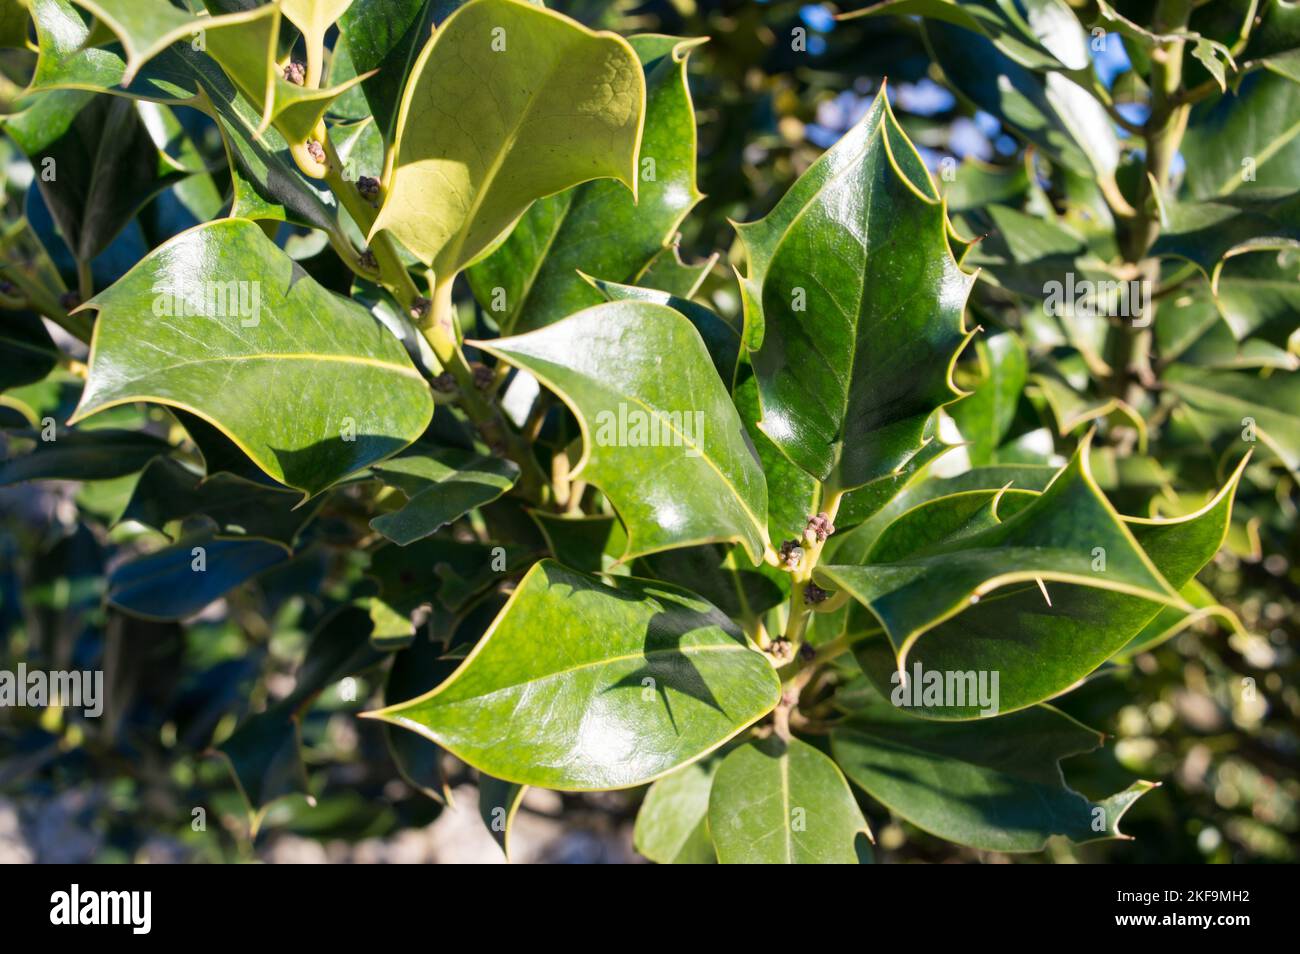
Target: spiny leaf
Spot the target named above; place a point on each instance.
(661, 438)
(995, 784)
(1053, 538)
(1041, 649)
(554, 105)
(860, 306)
(581, 684)
(285, 368)
(600, 228)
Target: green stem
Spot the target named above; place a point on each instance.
(439, 328)
(800, 611)
(85, 281)
(1130, 352)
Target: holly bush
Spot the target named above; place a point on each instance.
(365, 331)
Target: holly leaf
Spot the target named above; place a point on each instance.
(660, 436)
(30, 352)
(384, 37)
(554, 105)
(995, 785)
(720, 337)
(779, 802)
(581, 684)
(1207, 233)
(600, 228)
(984, 416)
(440, 487)
(1055, 536)
(860, 304)
(313, 360)
(1039, 648)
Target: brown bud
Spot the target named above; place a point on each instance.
(445, 383)
(484, 377)
(819, 528)
(368, 260)
(368, 186)
(791, 553)
(295, 73)
(781, 649)
(420, 308)
(316, 151)
(814, 594)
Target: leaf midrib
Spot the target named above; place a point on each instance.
(593, 664)
(307, 357)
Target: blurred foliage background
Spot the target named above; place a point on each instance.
(1213, 716)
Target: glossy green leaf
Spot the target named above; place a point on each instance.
(661, 437)
(860, 304)
(720, 337)
(789, 510)
(672, 826)
(440, 487)
(1041, 649)
(600, 228)
(581, 684)
(1206, 233)
(71, 66)
(554, 104)
(590, 543)
(1053, 538)
(777, 802)
(720, 575)
(994, 785)
(147, 27)
(985, 416)
(314, 361)
(1259, 297)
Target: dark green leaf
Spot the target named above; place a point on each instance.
(581, 684)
